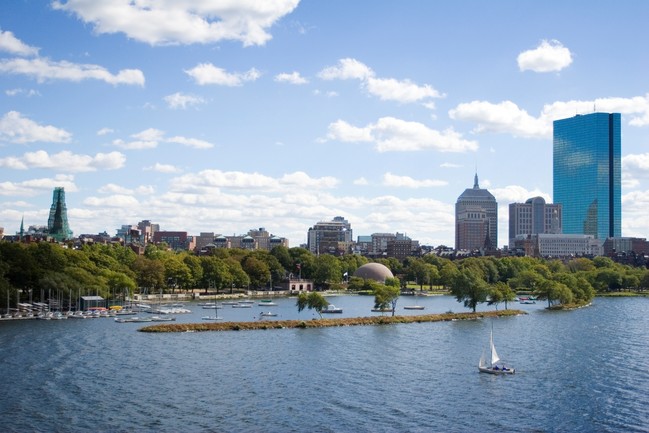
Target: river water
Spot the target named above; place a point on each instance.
(585, 370)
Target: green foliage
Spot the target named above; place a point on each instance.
(468, 287)
(312, 301)
(386, 296)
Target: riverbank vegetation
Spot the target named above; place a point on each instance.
(41, 271)
(323, 323)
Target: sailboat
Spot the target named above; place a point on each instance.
(216, 313)
(490, 364)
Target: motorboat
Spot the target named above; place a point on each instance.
(331, 309)
(267, 314)
(413, 307)
(267, 303)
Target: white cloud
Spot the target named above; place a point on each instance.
(346, 69)
(207, 73)
(11, 44)
(505, 117)
(190, 142)
(389, 89)
(292, 78)
(105, 131)
(32, 187)
(182, 101)
(112, 201)
(15, 128)
(361, 181)
(516, 194)
(300, 178)
(183, 21)
(163, 168)
(449, 165)
(65, 161)
(395, 135)
(217, 179)
(27, 92)
(114, 189)
(549, 56)
(43, 69)
(150, 139)
(392, 180)
(639, 162)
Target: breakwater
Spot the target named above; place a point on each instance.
(322, 323)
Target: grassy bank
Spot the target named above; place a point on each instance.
(321, 323)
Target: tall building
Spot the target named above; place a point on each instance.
(476, 219)
(57, 223)
(587, 174)
(330, 237)
(533, 217)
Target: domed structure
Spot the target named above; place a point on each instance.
(374, 271)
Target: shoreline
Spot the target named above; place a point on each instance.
(325, 323)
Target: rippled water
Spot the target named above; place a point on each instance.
(585, 370)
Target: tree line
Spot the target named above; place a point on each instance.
(112, 270)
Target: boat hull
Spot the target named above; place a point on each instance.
(490, 370)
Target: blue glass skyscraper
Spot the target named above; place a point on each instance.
(587, 174)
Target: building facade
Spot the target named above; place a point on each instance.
(558, 245)
(533, 217)
(57, 223)
(330, 237)
(587, 174)
(476, 219)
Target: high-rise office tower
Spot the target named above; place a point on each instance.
(476, 219)
(587, 174)
(533, 217)
(57, 223)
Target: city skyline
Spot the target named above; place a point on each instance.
(206, 118)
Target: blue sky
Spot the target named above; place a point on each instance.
(222, 116)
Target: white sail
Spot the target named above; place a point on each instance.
(494, 355)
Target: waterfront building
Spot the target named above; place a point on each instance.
(57, 223)
(627, 245)
(587, 174)
(476, 219)
(533, 217)
(147, 229)
(330, 237)
(558, 245)
(175, 240)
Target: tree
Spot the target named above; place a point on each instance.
(386, 295)
(469, 288)
(312, 301)
(327, 269)
(257, 271)
(150, 273)
(500, 292)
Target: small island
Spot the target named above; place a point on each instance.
(322, 323)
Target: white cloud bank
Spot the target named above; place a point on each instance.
(292, 78)
(549, 56)
(183, 101)
(207, 73)
(182, 21)
(43, 69)
(65, 161)
(395, 135)
(11, 44)
(387, 89)
(508, 118)
(15, 128)
(152, 137)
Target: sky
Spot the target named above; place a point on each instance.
(229, 115)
